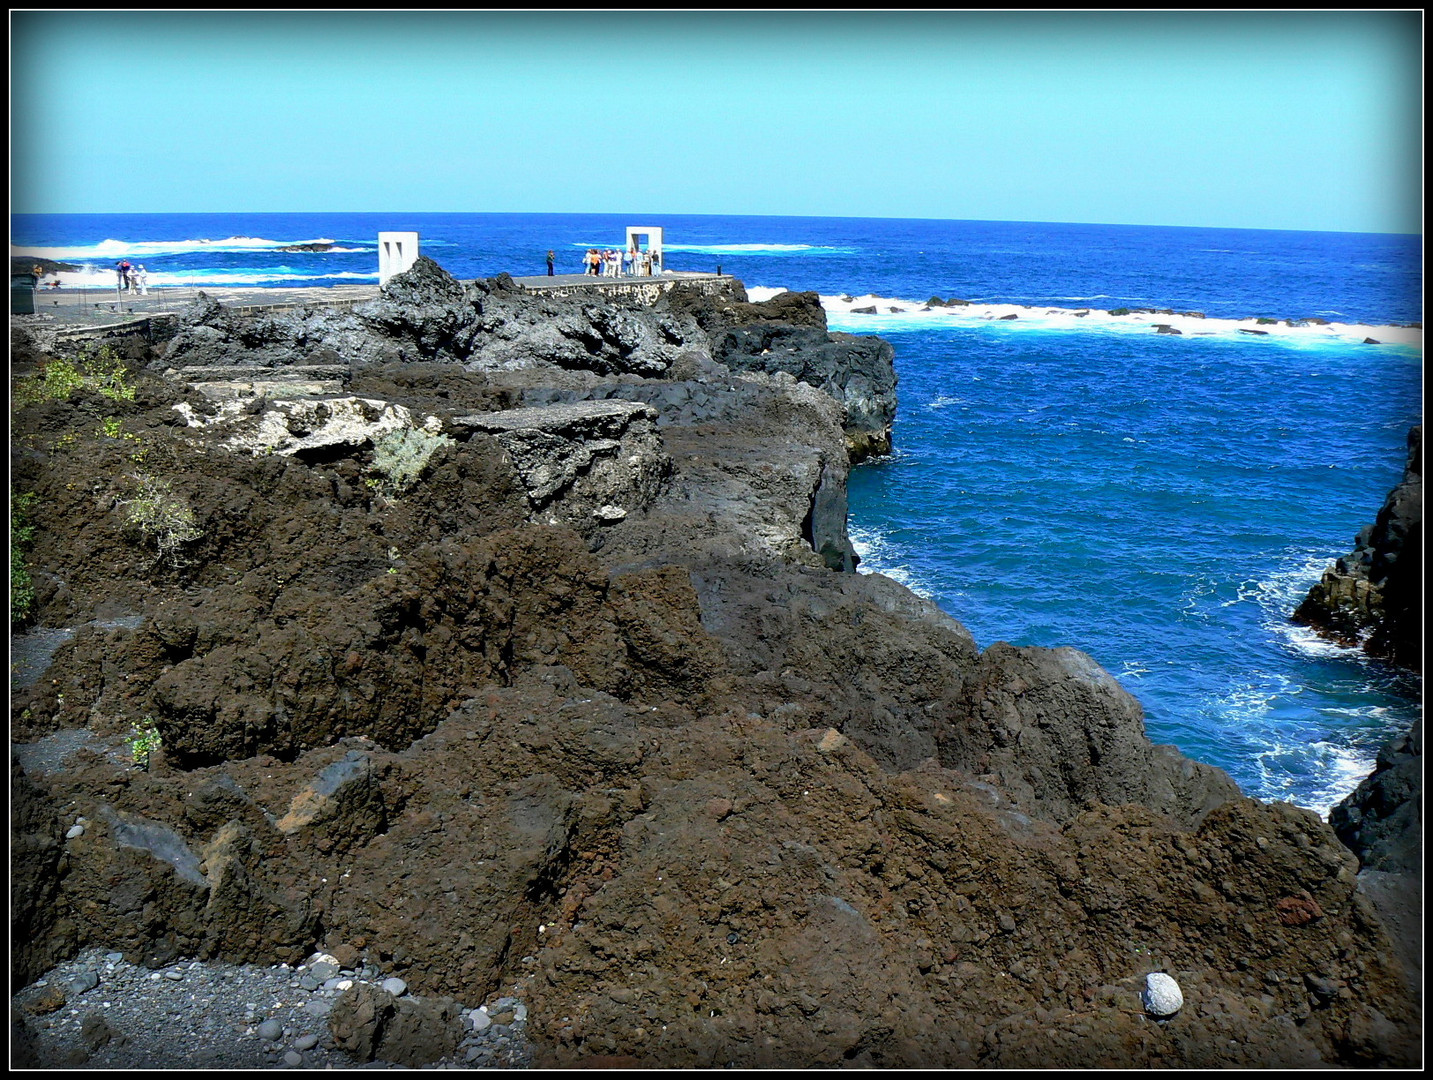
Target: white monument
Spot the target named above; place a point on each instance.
(653, 235)
(397, 252)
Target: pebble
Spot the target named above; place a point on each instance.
(1162, 996)
(85, 980)
(74, 832)
(395, 986)
(232, 1016)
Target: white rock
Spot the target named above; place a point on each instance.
(1162, 996)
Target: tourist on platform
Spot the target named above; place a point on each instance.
(121, 270)
(141, 280)
(550, 257)
(589, 262)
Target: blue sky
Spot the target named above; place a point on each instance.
(1284, 120)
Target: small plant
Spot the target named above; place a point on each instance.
(400, 457)
(22, 532)
(97, 368)
(158, 516)
(143, 742)
(111, 427)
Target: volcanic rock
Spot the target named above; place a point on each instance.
(676, 778)
(1373, 596)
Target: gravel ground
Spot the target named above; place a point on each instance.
(101, 1012)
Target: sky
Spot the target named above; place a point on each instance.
(1276, 120)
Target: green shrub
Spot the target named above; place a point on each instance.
(22, 532)
(143, 741)
(159, 517)
(97, 368)
(400, 457)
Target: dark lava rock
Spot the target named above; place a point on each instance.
(682, 783)
(1382, 821)
(1374, 595)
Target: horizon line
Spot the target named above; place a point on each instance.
(607, 213)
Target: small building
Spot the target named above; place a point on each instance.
(397, 252)
(653, 237)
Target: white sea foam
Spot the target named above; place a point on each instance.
(103, 278)
(759, 249)
(151, 249)
(878, 556)
(892, 314)
(1339, 768)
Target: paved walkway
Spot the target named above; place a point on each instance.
(96, 307)
(76, 308)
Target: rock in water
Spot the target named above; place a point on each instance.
(1373, 596)
(1162, 996)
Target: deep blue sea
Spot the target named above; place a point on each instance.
(1066, 477)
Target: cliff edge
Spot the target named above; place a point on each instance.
(1373, 596)
(511, 646)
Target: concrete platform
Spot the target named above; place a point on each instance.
(81, 310)
(94, 307)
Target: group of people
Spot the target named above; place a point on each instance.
(132, 279)
(612, 263)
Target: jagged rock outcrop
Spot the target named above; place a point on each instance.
(586, 464)
(372, 1024)
(423, 315)
(1057, 732)
(1382, 821)
(788, 333)
(1373, 596)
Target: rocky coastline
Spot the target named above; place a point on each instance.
(1373, 596)
(509, 646)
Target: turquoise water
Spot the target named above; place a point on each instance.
(1062, 478)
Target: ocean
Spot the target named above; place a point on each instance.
(1068, 476)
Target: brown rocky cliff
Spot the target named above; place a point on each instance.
(695, 795)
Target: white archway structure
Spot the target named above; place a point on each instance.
(397, 252)
(653, 235)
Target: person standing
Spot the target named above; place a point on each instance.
(141, 280)
(551, 256)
